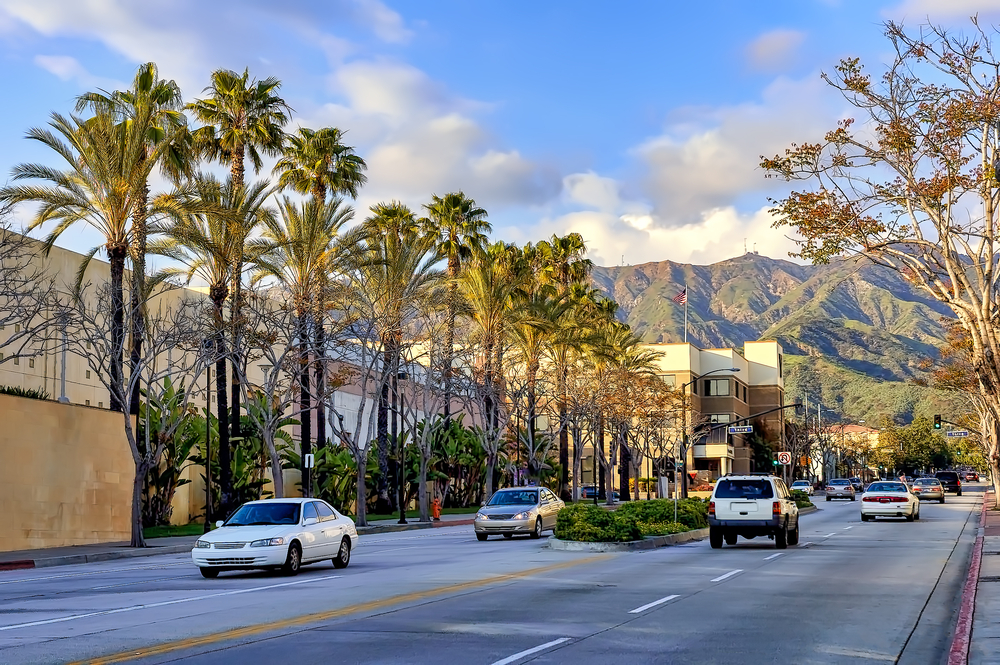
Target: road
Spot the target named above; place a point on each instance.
(851, 592)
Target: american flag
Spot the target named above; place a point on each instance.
(682, 297)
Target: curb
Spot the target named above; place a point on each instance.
(47, 562)
(648, 543)
(415, 526)
(958, 653)
(810, 509)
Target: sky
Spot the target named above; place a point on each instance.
(639, 125)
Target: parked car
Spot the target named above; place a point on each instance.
(972, 476)
(527, 510)
(277, 533)
(752, 505)
(857, 484)
(928, 488)
(950, 481)
(889, 499)
(803, 485)
(587, 492)
(839, 488)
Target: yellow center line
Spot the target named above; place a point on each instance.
(317, 617)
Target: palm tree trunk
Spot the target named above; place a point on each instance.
(360, 509)
(305, 414)
(116, 258)
(236, 168)
(449, 336)
(624, 463)
(563, 432)
(320, 383)
(235, 314)
(384, 503)
(137, 296)
(225, 459)
(138, 539)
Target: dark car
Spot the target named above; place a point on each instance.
(858, 485)
(587, 492)
(950, 481)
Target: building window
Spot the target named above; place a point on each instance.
(87, 402)
(719, 418)
(17, 327)
(100, 405)
(88, 346)
(780, 374)
(717, 388)
(17, 361)
(31, 362)
(669, 379)
(88, 373)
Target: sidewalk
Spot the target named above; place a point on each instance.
(984, 647)
(76, 554)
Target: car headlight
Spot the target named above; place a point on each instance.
(203, 545)
(522, 515)
(267, 542)
(482, 516)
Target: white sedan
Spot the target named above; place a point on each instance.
(889, 499)
(803, 485)
(277, 533)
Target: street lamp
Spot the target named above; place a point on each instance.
(685, 429)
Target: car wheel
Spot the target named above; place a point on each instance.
(537, 532)
(293, 562)
(508, 536)
(909, 518)
(959, 492)
(343, 554)
(210, 573)
(793, 536)
(941, 500)
(781, 538)
(829, 499)
(852, 498)
(730, 538)
(916, 514)
(715, 537)
(481, 537)
(864, 518)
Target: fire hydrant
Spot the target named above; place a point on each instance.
(436, 509)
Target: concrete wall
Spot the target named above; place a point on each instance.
(66, 477)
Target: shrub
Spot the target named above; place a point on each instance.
(589, 523)
(30, 393)
(801, 499)
(692, 513)
(661, 528)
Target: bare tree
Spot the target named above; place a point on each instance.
(27, 295)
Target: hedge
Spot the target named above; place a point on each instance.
(801, 499)
(632, 521)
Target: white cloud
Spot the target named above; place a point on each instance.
(67, 68)
(921, 10)
(774, 50)
(592, 190)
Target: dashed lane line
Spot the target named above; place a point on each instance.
(527, 652)
(727, 575)
(665, 599)
(773, 556)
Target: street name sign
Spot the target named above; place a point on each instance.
(741, 429)
(784, 458)
(957, 432)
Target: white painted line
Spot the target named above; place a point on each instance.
(773, 556)
(848, 527)
(727, 575)
(527, 652)
(805, 544)
(95, 572)
(645, 607)
(829, 534)
(147, 606)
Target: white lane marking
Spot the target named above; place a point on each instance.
(848, 527)
(96, 572)
(527, 652)
(645, 607)
(805, 544)
(857, 653)
(830, 534)
(773, 556)
(727, 575)
(147, 606)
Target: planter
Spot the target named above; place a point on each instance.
(647, 543)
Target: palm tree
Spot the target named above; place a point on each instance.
(318, 162)
(242, 118)
(305, 251)
(394, 274)
(155, 104)
(212, 233)
(459, 229)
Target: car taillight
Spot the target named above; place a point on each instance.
(711, 507)
(830, 488)
(870, 499)
(916, 489)
(898, 499)
(775, 507)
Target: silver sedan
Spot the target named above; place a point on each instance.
(526, 510)
(928, 488)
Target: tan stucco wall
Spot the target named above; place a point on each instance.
(66, 477)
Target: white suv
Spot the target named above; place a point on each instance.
(751, 505)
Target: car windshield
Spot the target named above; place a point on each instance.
(254, 514)
(743, 489)
(887, 487)
(800, 483)
(517, 498)
(926, 481)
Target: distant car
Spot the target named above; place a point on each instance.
(588, 491)
(972, 476)
(950, 481)
(803, 485)
(515, 510)
(277, 533)
(928, 488)
(839, 488)
(889, 499)
(857, 484)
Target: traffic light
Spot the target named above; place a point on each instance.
(774, 462)
(937, 422)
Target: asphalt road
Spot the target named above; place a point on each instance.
(878, 592)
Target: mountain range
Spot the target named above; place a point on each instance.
(848, 328)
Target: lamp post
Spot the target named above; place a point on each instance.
(684, 432)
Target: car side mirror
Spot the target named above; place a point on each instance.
(309, 521)
(219, 523)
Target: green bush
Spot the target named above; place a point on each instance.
(30, 393)
(801, 499)
(692, 513)
(589, 523)
(661, 528)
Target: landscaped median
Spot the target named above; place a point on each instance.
(635, 525)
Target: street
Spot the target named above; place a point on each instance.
(851, 592)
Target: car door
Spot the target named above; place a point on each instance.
(550, 506)
(333, 530)
(312, 533)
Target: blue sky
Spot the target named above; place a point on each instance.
(637, 124)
